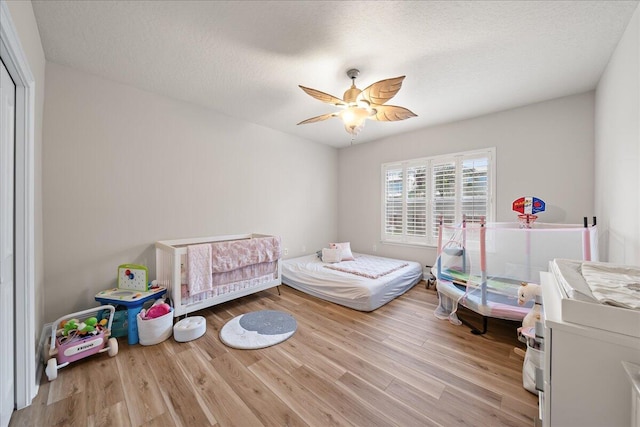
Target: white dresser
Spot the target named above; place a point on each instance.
(585, 383)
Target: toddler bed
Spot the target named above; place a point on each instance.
(365, 284)
(206, 271)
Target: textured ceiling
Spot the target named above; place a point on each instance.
(246, 58)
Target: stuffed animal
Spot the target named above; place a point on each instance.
(156, 310)
(69, 326)
(81, 328)
(527, 292)
(88, 326)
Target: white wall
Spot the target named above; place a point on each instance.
(617, 152)
(544, 150)
(25, 23)
(124, 168)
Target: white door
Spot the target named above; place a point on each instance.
(7, 142)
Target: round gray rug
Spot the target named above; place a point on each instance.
(258, 329)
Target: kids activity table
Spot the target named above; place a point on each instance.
(134, 301)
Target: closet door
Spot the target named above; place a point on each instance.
(7, 326)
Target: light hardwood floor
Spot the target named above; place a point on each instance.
(396, 366)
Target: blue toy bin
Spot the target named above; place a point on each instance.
(120, 326)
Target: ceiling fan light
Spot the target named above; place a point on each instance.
(354, 119)
(353, 129)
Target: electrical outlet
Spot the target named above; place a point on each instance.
(286, 251)
(304, 249)
(375, 248)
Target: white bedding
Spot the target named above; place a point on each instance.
(308, 274)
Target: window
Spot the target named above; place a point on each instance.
(417, 193)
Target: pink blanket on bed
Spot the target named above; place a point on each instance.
(368, 266)
(231, 255)
(199, 262)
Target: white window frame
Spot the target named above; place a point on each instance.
(430, 239)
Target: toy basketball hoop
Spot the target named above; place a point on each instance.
(528, 207)
(526, 220)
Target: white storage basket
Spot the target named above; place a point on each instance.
(154, 331)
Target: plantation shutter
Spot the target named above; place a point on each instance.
(443, 178)
(393, 178)
(416, 199)
(475, 194)
(417, 193)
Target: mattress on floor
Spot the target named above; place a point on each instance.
(310, 275)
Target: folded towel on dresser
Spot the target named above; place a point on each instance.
(200, 268)
(613, 284)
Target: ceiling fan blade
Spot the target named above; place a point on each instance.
(391, 113)
(382, 91)
(324, 97)
(318, 118)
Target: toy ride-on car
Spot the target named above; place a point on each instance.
(79, 335)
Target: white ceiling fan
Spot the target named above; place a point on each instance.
(359, 105)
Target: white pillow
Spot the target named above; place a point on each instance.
(331, 255)
(346, 250)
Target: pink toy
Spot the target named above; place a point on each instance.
(156, 310)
